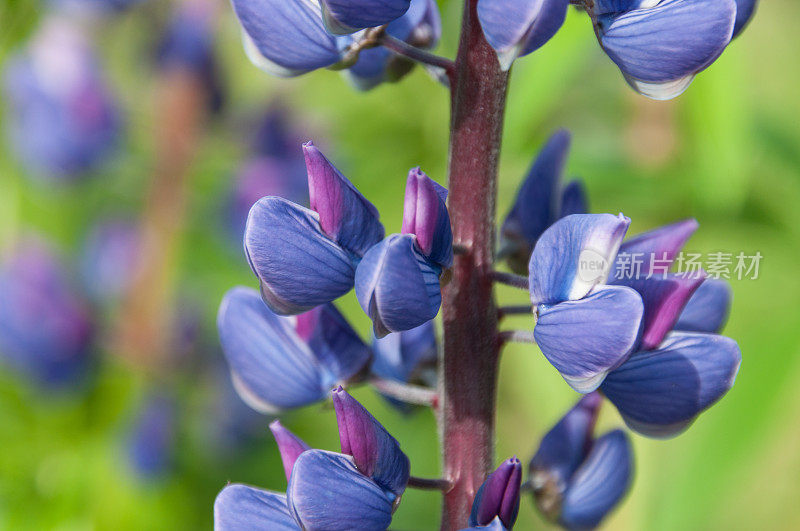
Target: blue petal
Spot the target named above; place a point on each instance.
(333, 341)
(399, 356)
(516, 28)
(375, 452)
(745, 9)
(659, 393)
(242, 508)
(708, 308)
(586, 339)
(297, 265)
(328, 492)
(494, 525)
(397, 287)
(573, 200)
(669, 42)
(574, 255)
(535, 206)
(287, 37)
(271, 367)
(348, 16)
(566, 445)
(662, 245)
(345, 215)
(600, 483)
(663, 299)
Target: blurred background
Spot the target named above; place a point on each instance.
(115, 405)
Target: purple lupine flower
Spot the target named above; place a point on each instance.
(304, 258)
(398, 280)
(584, 328)
(108, 259)
(288, 37)
(151, 443)
(540, 201)
(63, 121)
(276, 167)
(188, 45)
(45, 327)
(421, 27)
(745, 9)
(348, 16)
(407, 357)
(498, 498)
(577, 480)
(356, 489)
(672, 377)
(660, 45)
(286, 362)
(515, 28)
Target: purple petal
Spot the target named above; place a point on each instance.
(669, 42)
(573, 256)
(516, 28)
(333, 341)
(664, 299)
(348, 16)
(565, 446)
(397, 287)
(600, 483)
(328, 492)
(586, 339)
(242, 508)
(272, 367)
(573, 200)
(708, 308)
(375, 453)
(345, 215)
(659, 393)
(287, 37)
(535, 206)
(745, 9)
(661, 245)
(425, 216)
(498, 496)
(297, 265)
(289, 445)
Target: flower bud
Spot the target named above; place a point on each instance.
(498, 497)
(289, 445)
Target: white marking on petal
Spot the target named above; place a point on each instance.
(661, 91)
(250, 398)
(585, 384)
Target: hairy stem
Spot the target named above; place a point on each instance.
(468, 367)
(428, 484)
(408, 393)
(417, 54)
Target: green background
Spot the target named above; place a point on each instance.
(726, 153)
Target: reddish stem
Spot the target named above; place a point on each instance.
(468, 372)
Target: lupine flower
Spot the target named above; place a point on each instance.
(288, 37)
(304, 258)
(398, 281)
(348, 16)
(584, 328)
(540, 201)
(108, 258)
(276, 167)
(577, 480)
(45, 327)
(421, 27)
(356, 489)
(672, 377)
(286, 362)
(661, 45)
(62, 120)
(497, 500)
(188, 45)
(151, 444)
(515, 28)
(745, 9)
(407, 357)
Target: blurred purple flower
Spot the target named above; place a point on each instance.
(152, 439)
(45, 327)
(62, 120)
(108, 259)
